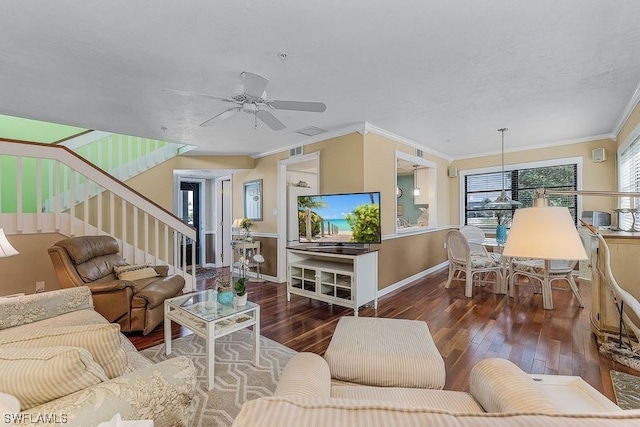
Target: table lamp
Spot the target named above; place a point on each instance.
(6, 250)
(544, 233)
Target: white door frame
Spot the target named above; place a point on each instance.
(201, 208)
(282, 206)
(219, 243)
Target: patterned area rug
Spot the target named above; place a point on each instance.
(236, 381)
(206, 272)
(627, 389)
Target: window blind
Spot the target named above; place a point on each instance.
(629, 180)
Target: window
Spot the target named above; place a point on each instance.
(629, 179)
(416, 196)
(520, 185)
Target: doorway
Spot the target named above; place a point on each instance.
(190, 213)
(299, 175)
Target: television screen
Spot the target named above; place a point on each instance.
(339, 218)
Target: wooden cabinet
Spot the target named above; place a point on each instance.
(625, 253)
(346, 277)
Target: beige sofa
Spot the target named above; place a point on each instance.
(68, 365)
(500, 395)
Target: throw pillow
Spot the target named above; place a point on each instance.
(39, 375)
(101, 340)
(134, 272)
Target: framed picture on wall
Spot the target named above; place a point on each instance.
(253, 200)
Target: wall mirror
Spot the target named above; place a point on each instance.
(253, 200)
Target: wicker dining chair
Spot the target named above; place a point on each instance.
(543, 272)
(463, 260)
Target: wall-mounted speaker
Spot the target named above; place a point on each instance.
(599, 155)
(452, 172)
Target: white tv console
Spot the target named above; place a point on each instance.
(343, 276)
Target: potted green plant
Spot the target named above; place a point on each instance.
(241, 291)
(246, 225)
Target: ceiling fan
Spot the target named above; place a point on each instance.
(253, 100)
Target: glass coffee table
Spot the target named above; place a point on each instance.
(204, 316)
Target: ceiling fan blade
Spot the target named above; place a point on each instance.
(254, 84)
(220, 117)
(315, 107)
(270, 120)
(203, 95)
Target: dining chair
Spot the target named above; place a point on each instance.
(463, 260)
(475, 236)
(543, 272)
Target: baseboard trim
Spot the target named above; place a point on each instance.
(404, 282)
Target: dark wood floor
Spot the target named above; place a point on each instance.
(465, 330)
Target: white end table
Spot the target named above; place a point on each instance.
(202, 314)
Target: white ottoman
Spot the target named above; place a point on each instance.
(385, 353)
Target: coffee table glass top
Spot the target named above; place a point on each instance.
(203, 305)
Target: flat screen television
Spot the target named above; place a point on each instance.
(339, 219)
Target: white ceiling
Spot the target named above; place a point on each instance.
(445, 74)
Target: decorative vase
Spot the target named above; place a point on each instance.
(501, 234)
(225, 296)
(241, 300)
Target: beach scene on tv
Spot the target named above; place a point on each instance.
(339, 218)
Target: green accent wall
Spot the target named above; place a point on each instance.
(33, 130)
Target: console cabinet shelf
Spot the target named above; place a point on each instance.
(347, 278)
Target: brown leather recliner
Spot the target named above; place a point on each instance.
(137, 305)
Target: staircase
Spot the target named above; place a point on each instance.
(57, 190)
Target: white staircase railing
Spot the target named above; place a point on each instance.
(91, 203)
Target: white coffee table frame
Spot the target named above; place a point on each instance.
(200, 313)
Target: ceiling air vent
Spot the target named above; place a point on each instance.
(419, 152)
(310, 131)
(297, 151)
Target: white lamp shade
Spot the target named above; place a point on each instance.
(5, 247)
(236, 223)
(544, 233)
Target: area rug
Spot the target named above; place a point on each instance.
(627, 389)
(206, 272)
(236, 380)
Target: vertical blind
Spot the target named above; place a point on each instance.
(520, 185)
(629, 180)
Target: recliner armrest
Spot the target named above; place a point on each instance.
(115, 285)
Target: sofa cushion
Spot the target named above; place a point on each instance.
(101, 340)
(316, 380)
(446, 400)
(134, 272)
(44, 305)
(39, 375)
(84, 248)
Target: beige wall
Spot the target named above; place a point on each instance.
(629, 126)
(379, 174)
(595, 176)
(21, 272)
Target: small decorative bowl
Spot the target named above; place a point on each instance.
(225, 296)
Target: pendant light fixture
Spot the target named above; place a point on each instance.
(503, 200)
(416, 189)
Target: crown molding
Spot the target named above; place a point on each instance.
(631, 105)
(610, 136)
(313, 139)
(368, 127)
